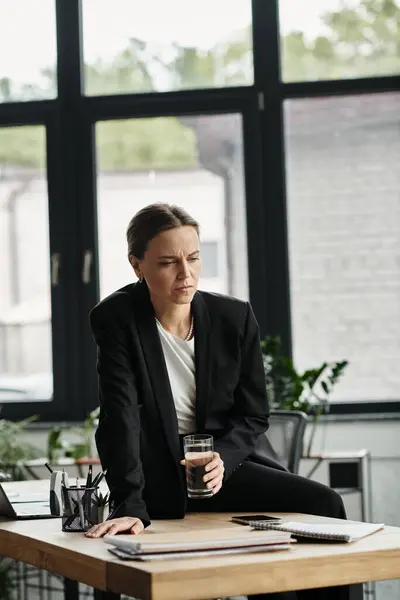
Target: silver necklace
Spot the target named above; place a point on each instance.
(190, 333)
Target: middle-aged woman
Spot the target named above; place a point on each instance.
(172, 361)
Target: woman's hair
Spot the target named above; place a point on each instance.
(148, 222)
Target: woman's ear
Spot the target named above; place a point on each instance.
(136, 266)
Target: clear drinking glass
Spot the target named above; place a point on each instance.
(199, 450)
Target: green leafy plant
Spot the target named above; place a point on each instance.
(289, 389)
(55, 446)
(59, 446)
(13, 450)
(101, 500)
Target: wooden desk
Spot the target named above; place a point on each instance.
(43, 544)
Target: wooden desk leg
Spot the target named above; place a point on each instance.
(99, 595)
(71, 589)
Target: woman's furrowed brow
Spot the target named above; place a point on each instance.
(176, 256)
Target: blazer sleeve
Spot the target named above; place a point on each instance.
(251, 411)
(118, 433)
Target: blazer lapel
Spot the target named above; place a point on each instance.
(156, 366)
(203, 349)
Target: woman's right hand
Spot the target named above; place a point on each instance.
(130, 524)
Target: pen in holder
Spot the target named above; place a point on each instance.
(81, 508)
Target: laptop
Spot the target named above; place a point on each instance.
(23, 510)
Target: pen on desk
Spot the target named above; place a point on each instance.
(89, 477)
(48, 467)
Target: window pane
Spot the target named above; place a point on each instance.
(135, 46)
(209, 259)
(25, 329)
(339, 39)
(195, 162)
(27, 50)
(343, 157)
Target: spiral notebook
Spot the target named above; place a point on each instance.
(335, 532)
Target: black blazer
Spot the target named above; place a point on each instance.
(137, 437)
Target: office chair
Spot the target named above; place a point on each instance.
(284, 439)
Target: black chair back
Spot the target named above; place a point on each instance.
(285, 435)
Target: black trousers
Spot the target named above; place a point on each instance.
(259, 489)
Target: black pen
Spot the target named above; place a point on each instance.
(89, 477)
(98, 478)
(48, 467)
(79, 500)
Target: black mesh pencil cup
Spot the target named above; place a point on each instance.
(81, 509)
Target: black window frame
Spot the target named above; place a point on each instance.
(71, 168)
(329, 88)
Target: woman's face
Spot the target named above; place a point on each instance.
(171, 265)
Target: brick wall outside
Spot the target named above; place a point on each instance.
(343, 168)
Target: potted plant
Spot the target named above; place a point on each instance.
(59, 446)
(13, 451)
(288, 389)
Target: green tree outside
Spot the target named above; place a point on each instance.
(22, 146)
(140, 144)
(361, 41)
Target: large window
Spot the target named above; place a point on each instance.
(194, 162)
(338, 39)
(27, 50)
(343, 157)
(25, 322)
(275, 123)
(153, 46)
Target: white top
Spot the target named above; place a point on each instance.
(179, 358)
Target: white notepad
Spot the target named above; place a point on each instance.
(126, 555)
(196, 540)
(339, 532)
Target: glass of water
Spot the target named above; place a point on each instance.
(199, 451)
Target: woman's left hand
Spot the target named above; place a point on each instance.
(214, 473)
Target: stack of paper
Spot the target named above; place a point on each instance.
(197, 543)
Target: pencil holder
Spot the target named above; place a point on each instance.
(81, 508)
